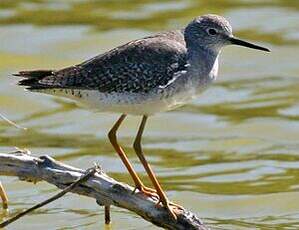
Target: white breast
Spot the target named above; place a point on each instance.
(214, 72)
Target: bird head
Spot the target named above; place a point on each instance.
(213, 32)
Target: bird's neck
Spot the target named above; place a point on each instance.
(202, 58)
(203, 62)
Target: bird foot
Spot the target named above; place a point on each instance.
(173, 208)
(147, 191)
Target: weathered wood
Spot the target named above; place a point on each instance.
(103, 188)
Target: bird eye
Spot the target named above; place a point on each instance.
(212, 31)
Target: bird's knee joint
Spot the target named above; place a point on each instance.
(137, 146)
(111, 135)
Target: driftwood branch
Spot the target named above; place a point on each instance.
(100, 186)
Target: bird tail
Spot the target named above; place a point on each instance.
(32, 79)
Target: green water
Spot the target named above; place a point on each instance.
(231, 156)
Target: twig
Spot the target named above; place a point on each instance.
(2, 190)
(107, 214)
(83, 178)
(3, 197)
(12, 123)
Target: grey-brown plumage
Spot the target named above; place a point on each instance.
(145, 76)
(138, 66)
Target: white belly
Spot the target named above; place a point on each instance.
(135, 104)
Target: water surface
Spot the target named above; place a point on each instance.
(231, 156)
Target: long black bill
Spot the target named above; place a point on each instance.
(236, 41)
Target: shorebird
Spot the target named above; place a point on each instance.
(143, 77)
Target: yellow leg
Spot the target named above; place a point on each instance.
(113, 139)
(148, 169)
(3, 197)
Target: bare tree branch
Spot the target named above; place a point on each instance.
(100, 186)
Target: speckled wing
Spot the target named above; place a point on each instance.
(138, 66)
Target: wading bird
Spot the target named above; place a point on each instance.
(143, 77)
